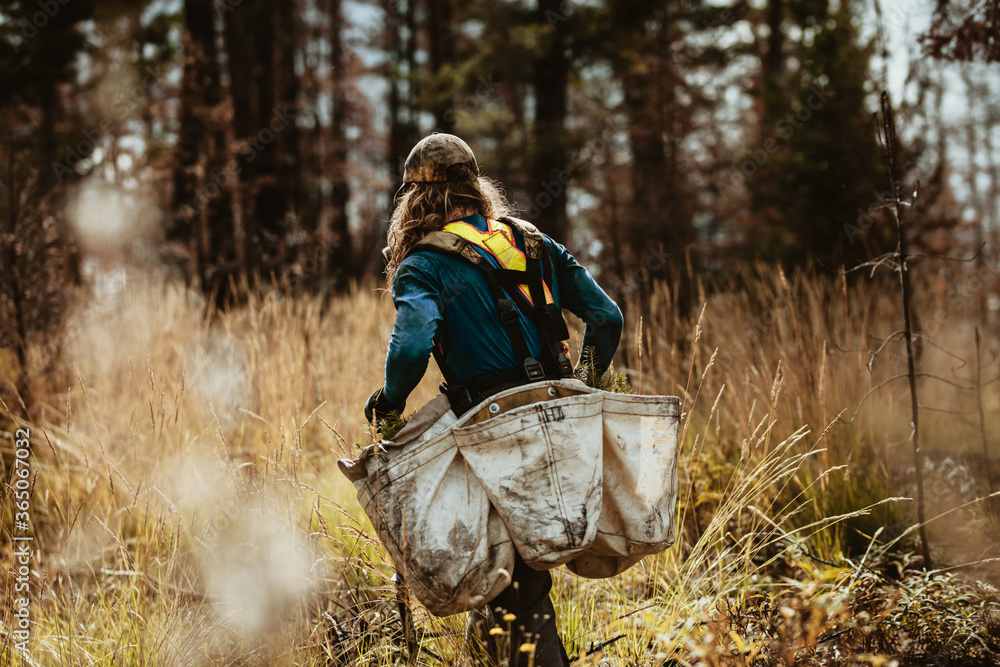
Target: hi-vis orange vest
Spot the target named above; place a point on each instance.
(462, 239)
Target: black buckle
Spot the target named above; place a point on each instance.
(533, 369)
(460, 397)
(508, 313)
(551, 315)
(465, 398)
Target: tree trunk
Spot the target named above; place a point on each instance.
(442, 55)
(773, 60)
(287, 140)
(650, 179)
(402, 64)
(658, 223)
(264, 91)
(340, 241)
(551, 73)
(200, 190)
(268, 201)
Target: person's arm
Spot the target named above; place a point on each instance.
(581, 295)
(418, 314)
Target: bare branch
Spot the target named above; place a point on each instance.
(965, 362)
(872, 391)
(874, 263)
(881, 347)
(889, 338)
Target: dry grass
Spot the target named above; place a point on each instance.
(188, 509)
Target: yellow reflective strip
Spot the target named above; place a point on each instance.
(508, 255)
(497, 242)
(505, 229)
(466, 231)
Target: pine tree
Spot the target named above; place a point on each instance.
(814, 169)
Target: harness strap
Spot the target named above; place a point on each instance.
(533, 370)
(513, 291)
(546, 317)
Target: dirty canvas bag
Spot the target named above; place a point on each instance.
(433, 515)
(566, 473)
(451, 498)
(640, 484)
(540, 464)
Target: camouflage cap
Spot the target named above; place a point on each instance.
(440, 158)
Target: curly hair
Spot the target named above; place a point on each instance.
(428, 207)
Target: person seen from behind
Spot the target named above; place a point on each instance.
(485, 334)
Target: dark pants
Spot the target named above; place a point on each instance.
(527, 598)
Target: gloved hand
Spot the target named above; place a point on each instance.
(379, 406)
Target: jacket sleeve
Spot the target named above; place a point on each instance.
(581, 295)
(418, 314)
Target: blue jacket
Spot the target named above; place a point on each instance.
(432, 290)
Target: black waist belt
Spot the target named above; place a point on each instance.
(464, 397)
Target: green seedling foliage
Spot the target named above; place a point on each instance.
(385, 428)
(614, 382)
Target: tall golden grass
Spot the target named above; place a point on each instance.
(188, 510)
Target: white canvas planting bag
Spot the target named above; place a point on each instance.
(540, 465)
(433, 515)
(640, 484)
(561, 472)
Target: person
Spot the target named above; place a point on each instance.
(462, 299)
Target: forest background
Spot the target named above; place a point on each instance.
(194, 197)
(237, 137)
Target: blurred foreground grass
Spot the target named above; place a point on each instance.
(188, 510)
